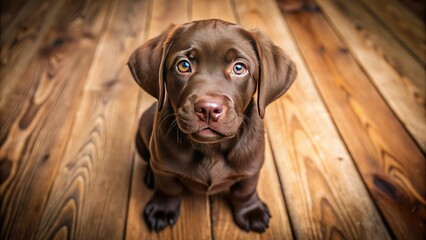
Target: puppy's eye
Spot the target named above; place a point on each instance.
(183, 66)
(239, 69)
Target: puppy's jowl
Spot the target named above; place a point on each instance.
(206, 131)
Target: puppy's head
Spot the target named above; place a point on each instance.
(209, 72)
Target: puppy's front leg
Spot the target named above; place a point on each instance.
(163, 208)
(249, 212)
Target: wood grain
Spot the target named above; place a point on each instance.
(402, 91)
(208, 9)
(69, 111)
(8, 12)
(269, 188)
(194, 220)
(293, 5)
(416, 6)
(404, 24)
(35, 123)
(21, 39)
(90, 195)
(391, 164)
(376, 37)
(325, 195)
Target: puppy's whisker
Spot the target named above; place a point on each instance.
(162, 121)
(172, 125)
(178, 135)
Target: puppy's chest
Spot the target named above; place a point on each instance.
(210, 174)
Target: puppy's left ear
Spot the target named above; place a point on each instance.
(277, 71)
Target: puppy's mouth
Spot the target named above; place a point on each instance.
(207, 135)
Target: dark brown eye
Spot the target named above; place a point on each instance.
(239, 69)
(183, 66)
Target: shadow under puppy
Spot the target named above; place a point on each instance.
(206, 131)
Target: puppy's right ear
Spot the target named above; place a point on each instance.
(146, 64)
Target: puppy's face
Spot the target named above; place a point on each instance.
(210, 80)
(209, 71)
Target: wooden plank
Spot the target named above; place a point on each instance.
(325, 195)
(405, 26)
(404, 92)
(391, 164)
(269, 187)
(376, 38)
(90, 195)
(8, 11)
(164, 14)
(21, 39)
(207, 9)
(194, 219)
(416, 6)
(35, 123)
(295, 5)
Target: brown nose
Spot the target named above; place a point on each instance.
(208, 109)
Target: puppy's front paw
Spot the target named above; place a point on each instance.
(254, 217)
(161, 210)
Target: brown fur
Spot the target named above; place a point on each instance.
(221, 146)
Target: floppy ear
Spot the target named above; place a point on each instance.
(146, 64)
(277, 71)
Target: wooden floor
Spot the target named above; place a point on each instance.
(345, 156)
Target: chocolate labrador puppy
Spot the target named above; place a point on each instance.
(206, 131)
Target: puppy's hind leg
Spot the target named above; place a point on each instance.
(142, 142)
